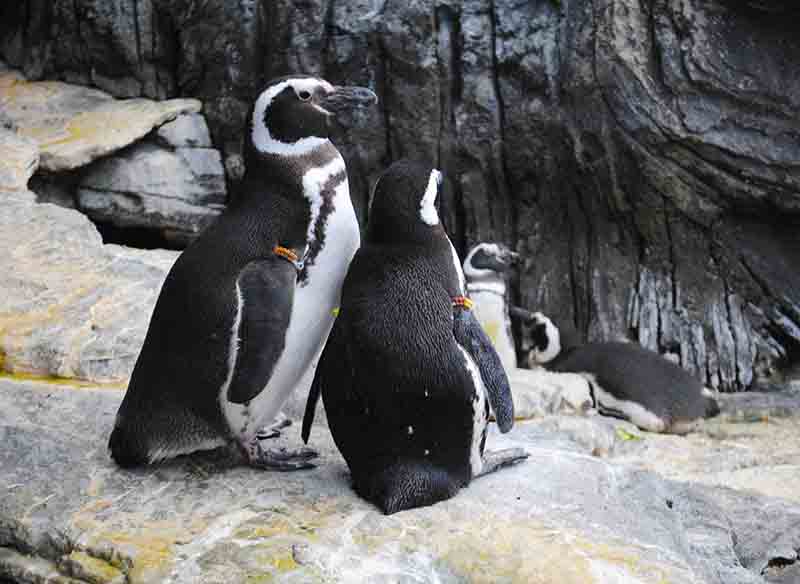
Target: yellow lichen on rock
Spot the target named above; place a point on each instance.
(90, 569)
(74, 125)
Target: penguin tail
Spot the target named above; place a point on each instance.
(406, 485)
(126, 450)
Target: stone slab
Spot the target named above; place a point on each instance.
(564, 516)
(74, 125)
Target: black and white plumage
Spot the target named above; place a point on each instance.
(626, 380)
(486, 270)
(407, 374)
(248, 305)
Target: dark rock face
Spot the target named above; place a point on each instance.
(643, 155)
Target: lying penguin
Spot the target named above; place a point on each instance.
(407, 370)
(248, 305)
(485, 268)
(626, 380)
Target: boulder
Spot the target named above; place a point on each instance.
(643, 161)
(569, 514)
(179, 191)
(74, 125)
(18, 161)
(70, 306)
(185, 131)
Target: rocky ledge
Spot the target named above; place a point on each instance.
(596, 502)
(132, 163)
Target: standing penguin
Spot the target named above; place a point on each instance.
(485, 269)
(249, 303)
(625, 380)
(407, 370)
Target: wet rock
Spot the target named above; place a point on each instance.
(591, 518)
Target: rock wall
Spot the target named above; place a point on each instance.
(643, 154)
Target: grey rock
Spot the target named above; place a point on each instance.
(19, 159)
(74, 125)
(181, 190)
(643, 156)
(71, 307)
(207, 518)
(186, 131)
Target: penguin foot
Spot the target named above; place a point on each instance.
(278, 459)
(273, 430)
(500, 458)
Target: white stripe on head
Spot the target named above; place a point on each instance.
(263, 140)
(553, 341)
(427, 206)
(473, 273)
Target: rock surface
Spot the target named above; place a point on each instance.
(179, 191)
(642, 155)
(19, 159)
(75, 125)
(71, 306)
(564, 516)
(186, 131)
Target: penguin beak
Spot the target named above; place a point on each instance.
(344, 98)
(522, 314)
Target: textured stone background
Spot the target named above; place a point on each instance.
(643, 154)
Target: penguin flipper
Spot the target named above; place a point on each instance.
(471, 336)
(266, 295)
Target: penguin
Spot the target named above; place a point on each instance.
(248, 305)
(408, 374)
(626, 380)
(485, 269)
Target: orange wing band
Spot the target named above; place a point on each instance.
(463, 302)
(285, 253)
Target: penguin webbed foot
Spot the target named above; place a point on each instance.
(274, 430)
(498, 459)
(280, 459)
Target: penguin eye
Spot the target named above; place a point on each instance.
(304, 95)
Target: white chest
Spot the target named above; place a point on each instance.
(491, 311)
(311, 318)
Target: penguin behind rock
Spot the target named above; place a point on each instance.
(248, 305)
(485, 269)
(626, 380)
(407, 369)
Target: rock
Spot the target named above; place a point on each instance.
(186, 131)
(538, 392)
(181, 191)
(74, 125)
(19, 159)
(70, 306)
(643, 162)
(67, 509)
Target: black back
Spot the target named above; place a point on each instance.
(171, 399)
(392, 377)
(632, 373)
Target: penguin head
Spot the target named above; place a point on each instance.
(545, 340)
(403, 205)
(293, 115)
(489, 261)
